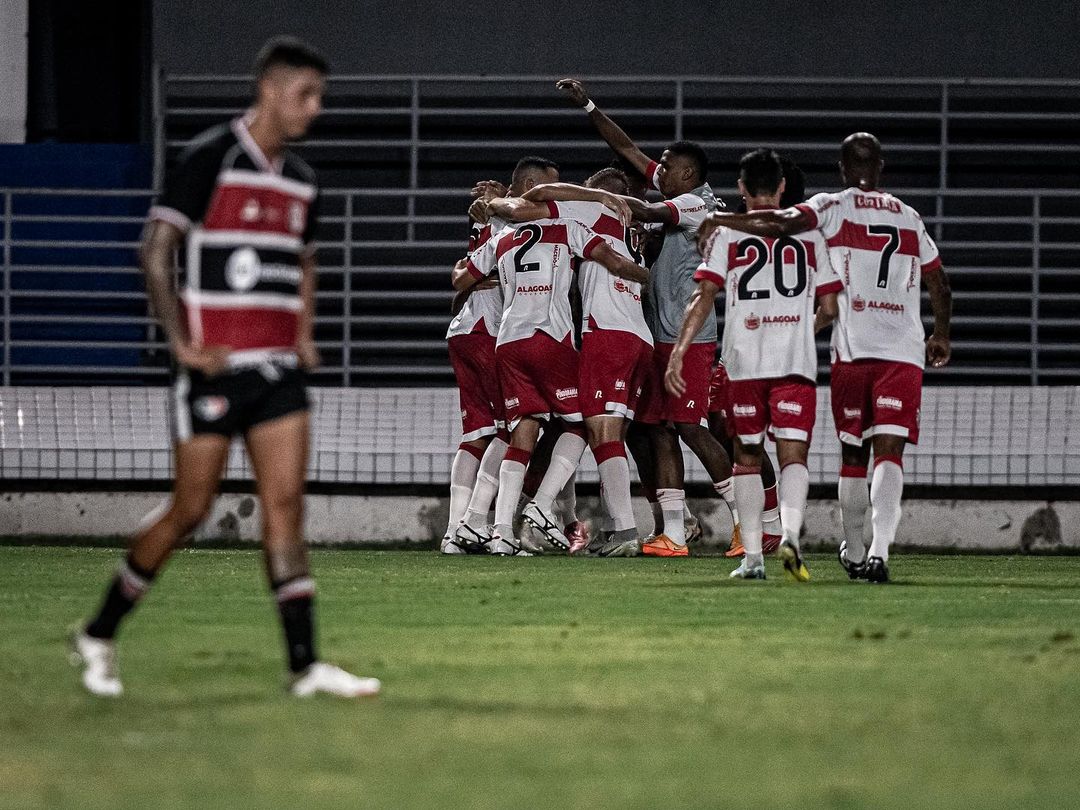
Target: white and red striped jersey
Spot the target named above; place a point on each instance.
(607, 302)
(771, 287)
(533, 262)
(483, 309)
(881, 249)
(248, 223)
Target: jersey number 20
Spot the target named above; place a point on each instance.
(784, 247)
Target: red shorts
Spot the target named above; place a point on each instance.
(720, 399)
(539, 376)
(876, 396)
(613, 369)
(658, 406)
(784, 406)
(473, 359)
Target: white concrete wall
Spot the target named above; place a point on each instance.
(969, 525)
(13, 70)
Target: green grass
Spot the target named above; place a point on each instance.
(553, 683)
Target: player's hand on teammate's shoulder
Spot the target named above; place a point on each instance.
(308, 354)
(673, 378)
(574, 89)
(210, 360)
(619, 206)
(938, 351)
(478, 211)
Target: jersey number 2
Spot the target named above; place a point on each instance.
(533, 234)
(762, 254)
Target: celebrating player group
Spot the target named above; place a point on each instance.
(639, 282)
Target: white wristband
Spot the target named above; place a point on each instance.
(590, 106)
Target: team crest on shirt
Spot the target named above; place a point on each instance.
(211, 408)
(752, 322)
(858, 304)
(242, 269)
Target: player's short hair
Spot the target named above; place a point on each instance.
(861, 151)
(695, 154)
(761, 172)
(794, 183)
(614, 180)
(536, 164)
(286, 51)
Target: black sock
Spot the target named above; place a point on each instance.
(296, 599)
(126, 589)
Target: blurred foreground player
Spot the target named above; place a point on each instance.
(245, 210)
(882, 251)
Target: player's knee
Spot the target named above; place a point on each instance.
(286, 503)
(190, 512)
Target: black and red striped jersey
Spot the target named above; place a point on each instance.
(248, 222)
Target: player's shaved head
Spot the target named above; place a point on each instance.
(609, 179)
(860, 160)
(532, 171)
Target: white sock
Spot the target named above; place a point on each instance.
(886, 489)
(567, 500)
(750, 496)
(854, 501)
(487, 484)
(671, 504)
(462, 478)
(770, 516)
(615, 484)
(565, 457)
(511, 480)
(726, 490)
(794, 487)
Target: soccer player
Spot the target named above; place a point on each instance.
(769, 324)
(244, 208)
(681, 177)
(879, 346)
(537, 362)
(616, 346)
(474, 476)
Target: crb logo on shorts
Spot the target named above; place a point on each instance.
(211, 408)
(511, 403)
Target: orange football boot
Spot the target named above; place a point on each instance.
(736, 548)
(662, 546)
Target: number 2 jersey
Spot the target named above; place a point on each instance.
(608, 302)
(771, 287)
(535, 273)
(880, 248)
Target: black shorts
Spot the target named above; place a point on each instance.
(234, 402)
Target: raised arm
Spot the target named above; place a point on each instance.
(608, 129)
(701, 305)
(938, 348)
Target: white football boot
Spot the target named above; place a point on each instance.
(98, 659)
(327, 679)
(749, 569)
(449, 546)
(544, 522)
(504, 544)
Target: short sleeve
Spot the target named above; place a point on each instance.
(581, 239)
(824, 210)
(714, 261)
(826, 279)
(582, 211)
(689, 210)
(928, 252)
(482, 260)
(189, 186)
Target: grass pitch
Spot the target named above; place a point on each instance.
(553, 683)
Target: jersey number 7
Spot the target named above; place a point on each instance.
(887, 252)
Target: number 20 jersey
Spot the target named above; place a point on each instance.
(771, 286)
(879, 247)
(533, 260)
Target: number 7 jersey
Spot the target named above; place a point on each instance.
(533, 260)
(880, 248)
(771, 287)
